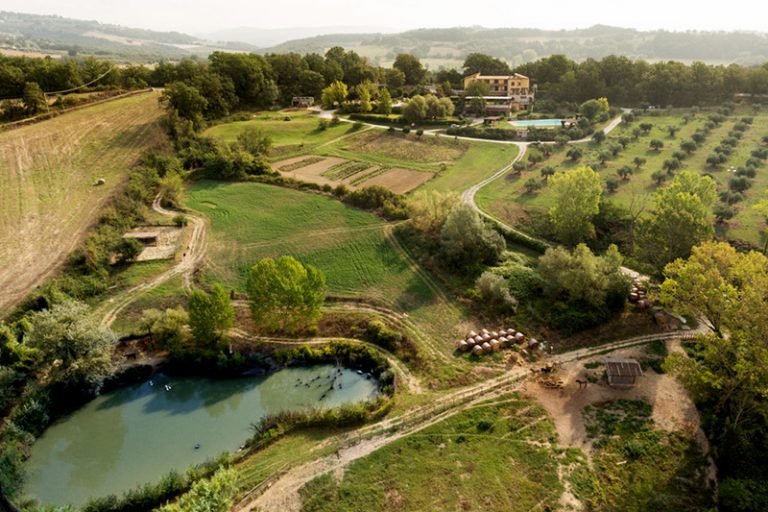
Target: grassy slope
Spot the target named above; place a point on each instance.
(287, 136)
(252, 221)
(492, 457)
(506, 197)
(47, 176)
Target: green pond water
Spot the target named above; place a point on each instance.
(139, 433)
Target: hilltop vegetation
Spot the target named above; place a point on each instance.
(449, 46)
(69, 37)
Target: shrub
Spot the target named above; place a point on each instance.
(322, 125)
(494, 291)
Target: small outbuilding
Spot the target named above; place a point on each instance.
(622, 372)
(302, 101)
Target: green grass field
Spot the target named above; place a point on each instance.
(507, 199)
(289, 138)
(48, 172)
(252, 221)
(493, 457)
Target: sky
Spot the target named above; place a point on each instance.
(395, 15)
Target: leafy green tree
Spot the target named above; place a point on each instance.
(187, 102)
(394, 79)
(254, 140)
(659, 177)
(438, 108)
(213, 495)
(485, 65)
(580, 275)
(494, 291)
(592, 109)
(411, 67)
(532, 184)
(75, 351)
(672, 131)
(598, 137)
(682, 217)
(574, 154)
(726, 373)
(625, 172)
(415, 111)
(656, 144)
(285, 294)
(311, 83)
(670, 165)
(427, 210)
(465, 240)
(250, 74)
(385, 102)
(364, 95)
(639, 162)
(210, 315)
(334, 94)
(33, 98)
(689, 146)
(166, 328)
(577, 201)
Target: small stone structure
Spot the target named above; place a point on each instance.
(160, 242)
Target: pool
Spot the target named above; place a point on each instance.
(139, 433)
(540, 123)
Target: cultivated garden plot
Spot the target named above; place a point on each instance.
(335, 171)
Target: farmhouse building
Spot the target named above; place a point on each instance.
(507, 93)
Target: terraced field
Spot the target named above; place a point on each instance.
(48, 171)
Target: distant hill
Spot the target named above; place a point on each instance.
(54, 35)
(262, 37)
(448, 46)
(439, 47)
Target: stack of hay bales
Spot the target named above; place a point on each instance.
(487, 341)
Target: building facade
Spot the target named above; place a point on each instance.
(507, 93)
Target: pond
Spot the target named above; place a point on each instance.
(139, 433)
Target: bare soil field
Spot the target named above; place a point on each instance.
(321, 170)
(48, 191)
(399, 180)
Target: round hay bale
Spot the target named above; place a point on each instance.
(503, 340)
(519, 337)
(478, 339)
(462, 345)
(485, 331)
(486, 337)
(486, 347)
(477, 350)
(633, 297)
(471, 334)
(503, 332)
(511, 332)
(471, 342)
(495, 345)
(494, 334)
(533, 343)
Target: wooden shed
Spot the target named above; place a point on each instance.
(622, 372)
